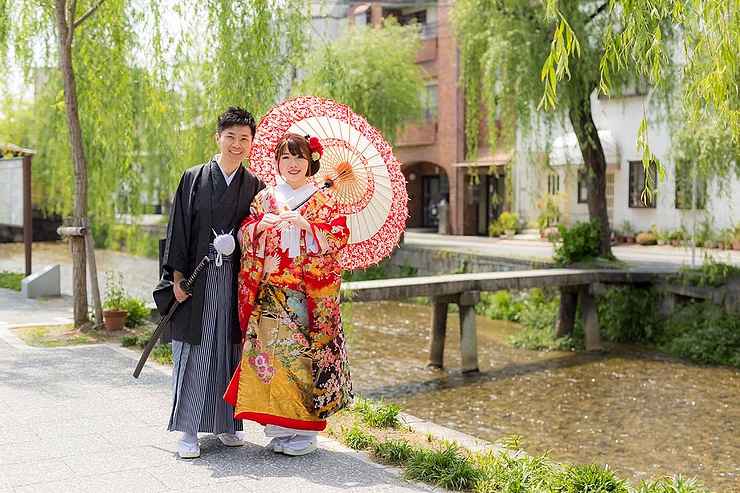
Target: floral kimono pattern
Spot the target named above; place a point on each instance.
(294, 370)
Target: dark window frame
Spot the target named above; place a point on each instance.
(637, 185)
(684, 196)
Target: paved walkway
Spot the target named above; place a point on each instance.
(75, 420)
(635, 255)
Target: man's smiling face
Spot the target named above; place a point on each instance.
(234, 143)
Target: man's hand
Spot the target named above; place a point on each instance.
(180, 294)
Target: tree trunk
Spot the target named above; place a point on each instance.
(65, 28)
(595, 163)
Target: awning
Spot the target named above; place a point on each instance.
(12, 150)
(565, 149)
(498, 159)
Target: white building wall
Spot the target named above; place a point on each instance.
(622, 118)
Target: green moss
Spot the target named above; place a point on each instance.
(11, 280)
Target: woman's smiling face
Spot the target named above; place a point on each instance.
(293, 169)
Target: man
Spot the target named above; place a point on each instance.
(210, 203)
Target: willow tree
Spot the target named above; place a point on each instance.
(639, 40)
(508, 46)
(136, 97)
(374, 71)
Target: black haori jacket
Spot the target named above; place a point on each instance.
(204, 203)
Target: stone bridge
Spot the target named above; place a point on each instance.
(577, 287)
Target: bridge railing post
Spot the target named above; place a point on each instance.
(468, 331)
(439, 331)
(590, 316)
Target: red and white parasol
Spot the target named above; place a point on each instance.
(368, 184)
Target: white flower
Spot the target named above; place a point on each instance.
(315, 156)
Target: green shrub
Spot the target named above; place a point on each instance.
(495, 229)
(630, 315)
(447, 468)
(711, 273)
(370, 274)
(577, 244)
(129, 340)
(703, 333)
(508, 221)
(11, 280)
(501, 305)
(539, 316)
(358, 439)
(162, 354)
(394, 452)
(138, 313)
(676, 484)
(589, 478)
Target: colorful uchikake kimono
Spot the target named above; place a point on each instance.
(294, 371)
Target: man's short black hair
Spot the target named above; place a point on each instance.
(236, 116)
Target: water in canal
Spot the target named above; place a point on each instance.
(643, 414)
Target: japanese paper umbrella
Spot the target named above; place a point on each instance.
(366, 178)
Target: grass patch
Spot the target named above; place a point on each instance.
(377, 414)
(11, 280)
(56, 336)
(589, 477)
(358, 439)
(447, 467)
(507, 470)
(66, 335)
(676, 484)
(393, 452)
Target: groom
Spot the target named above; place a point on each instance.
(211, 202)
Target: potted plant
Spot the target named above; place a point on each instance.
(677, 236)
(509, 222)
(726, 238)
(646, 238)
(114, 312)
(628, 233)
(661, 237)
(495, 229)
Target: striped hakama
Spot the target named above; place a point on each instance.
(201, 373)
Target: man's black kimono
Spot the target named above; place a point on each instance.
(203, 204)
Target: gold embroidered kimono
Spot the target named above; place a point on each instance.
(294, 371)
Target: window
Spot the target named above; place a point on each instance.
(685, 188)
(638, 196)
(553, 184)
(429, 101)
(582, 187)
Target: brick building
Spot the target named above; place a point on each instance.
(433, 151)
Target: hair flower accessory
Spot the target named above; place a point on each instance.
(317, 150)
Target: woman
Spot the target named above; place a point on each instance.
(294, 371)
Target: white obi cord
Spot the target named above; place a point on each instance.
(224, 245)
(287, 198)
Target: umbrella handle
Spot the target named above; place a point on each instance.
(327, 184)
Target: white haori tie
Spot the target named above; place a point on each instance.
(224, 245)
(287, 198)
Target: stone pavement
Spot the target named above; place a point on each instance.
(653, 257)
(75, 420)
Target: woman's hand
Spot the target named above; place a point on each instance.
(268, 221)
(295, 218)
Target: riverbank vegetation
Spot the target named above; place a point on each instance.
(701, 332)
(505, 467)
